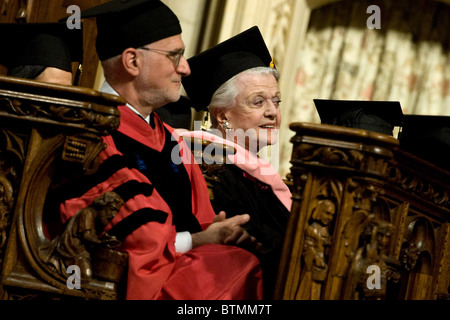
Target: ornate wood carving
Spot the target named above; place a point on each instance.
(83, 243)
(50, 134)
(11, 164)
(211, 157)
(391, 211)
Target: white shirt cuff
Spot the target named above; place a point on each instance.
(183, 242)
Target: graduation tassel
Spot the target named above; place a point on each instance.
(78, 73)
(205, 121)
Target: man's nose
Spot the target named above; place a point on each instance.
(183, 68)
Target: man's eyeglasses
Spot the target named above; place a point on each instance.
(174, 56)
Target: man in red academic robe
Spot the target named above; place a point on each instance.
(178, 247)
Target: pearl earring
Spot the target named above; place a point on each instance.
(226, 125)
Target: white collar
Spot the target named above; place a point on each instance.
(106, 88)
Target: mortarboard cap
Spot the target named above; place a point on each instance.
(213, 67)
(378, 116)
(41, 44)
(428, 137)
(123, 24)
(177, 114)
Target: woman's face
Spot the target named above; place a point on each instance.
(55, 75)
(255, 117)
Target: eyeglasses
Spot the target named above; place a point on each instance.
(174, 56)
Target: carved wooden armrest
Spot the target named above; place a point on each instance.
(48, 133)
(211, 157)
(368, 220)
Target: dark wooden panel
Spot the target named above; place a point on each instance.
(360, 202)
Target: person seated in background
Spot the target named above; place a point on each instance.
(42, 51)
(236, 82)
(178, 248)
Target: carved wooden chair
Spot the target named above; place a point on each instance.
(359, 202)
(211, 157)
(48, 134)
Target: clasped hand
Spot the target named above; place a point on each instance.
(227, 231)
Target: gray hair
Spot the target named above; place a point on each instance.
(226, 94)
(111, 68)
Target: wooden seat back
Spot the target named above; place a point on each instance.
(49, 134)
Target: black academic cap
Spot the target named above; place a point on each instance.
(40, 44)
(123, 24)
(378, 116)
(428, 137)
(213, 67)
(177, 114)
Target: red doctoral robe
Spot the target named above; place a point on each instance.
(145, 223)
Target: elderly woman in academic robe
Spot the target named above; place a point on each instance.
(238, 84)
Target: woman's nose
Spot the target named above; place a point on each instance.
(271, 110)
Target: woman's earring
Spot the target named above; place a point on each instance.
(226, 125)
(205, 121)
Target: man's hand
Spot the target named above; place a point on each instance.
(226, 231)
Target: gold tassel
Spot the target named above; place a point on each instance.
(272, 65)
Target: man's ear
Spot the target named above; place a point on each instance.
(129, 61)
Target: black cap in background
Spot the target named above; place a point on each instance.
(378, 116)
(177, 114)
(123, 24)
(213, 67)
(428, 137)
(40, 44)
